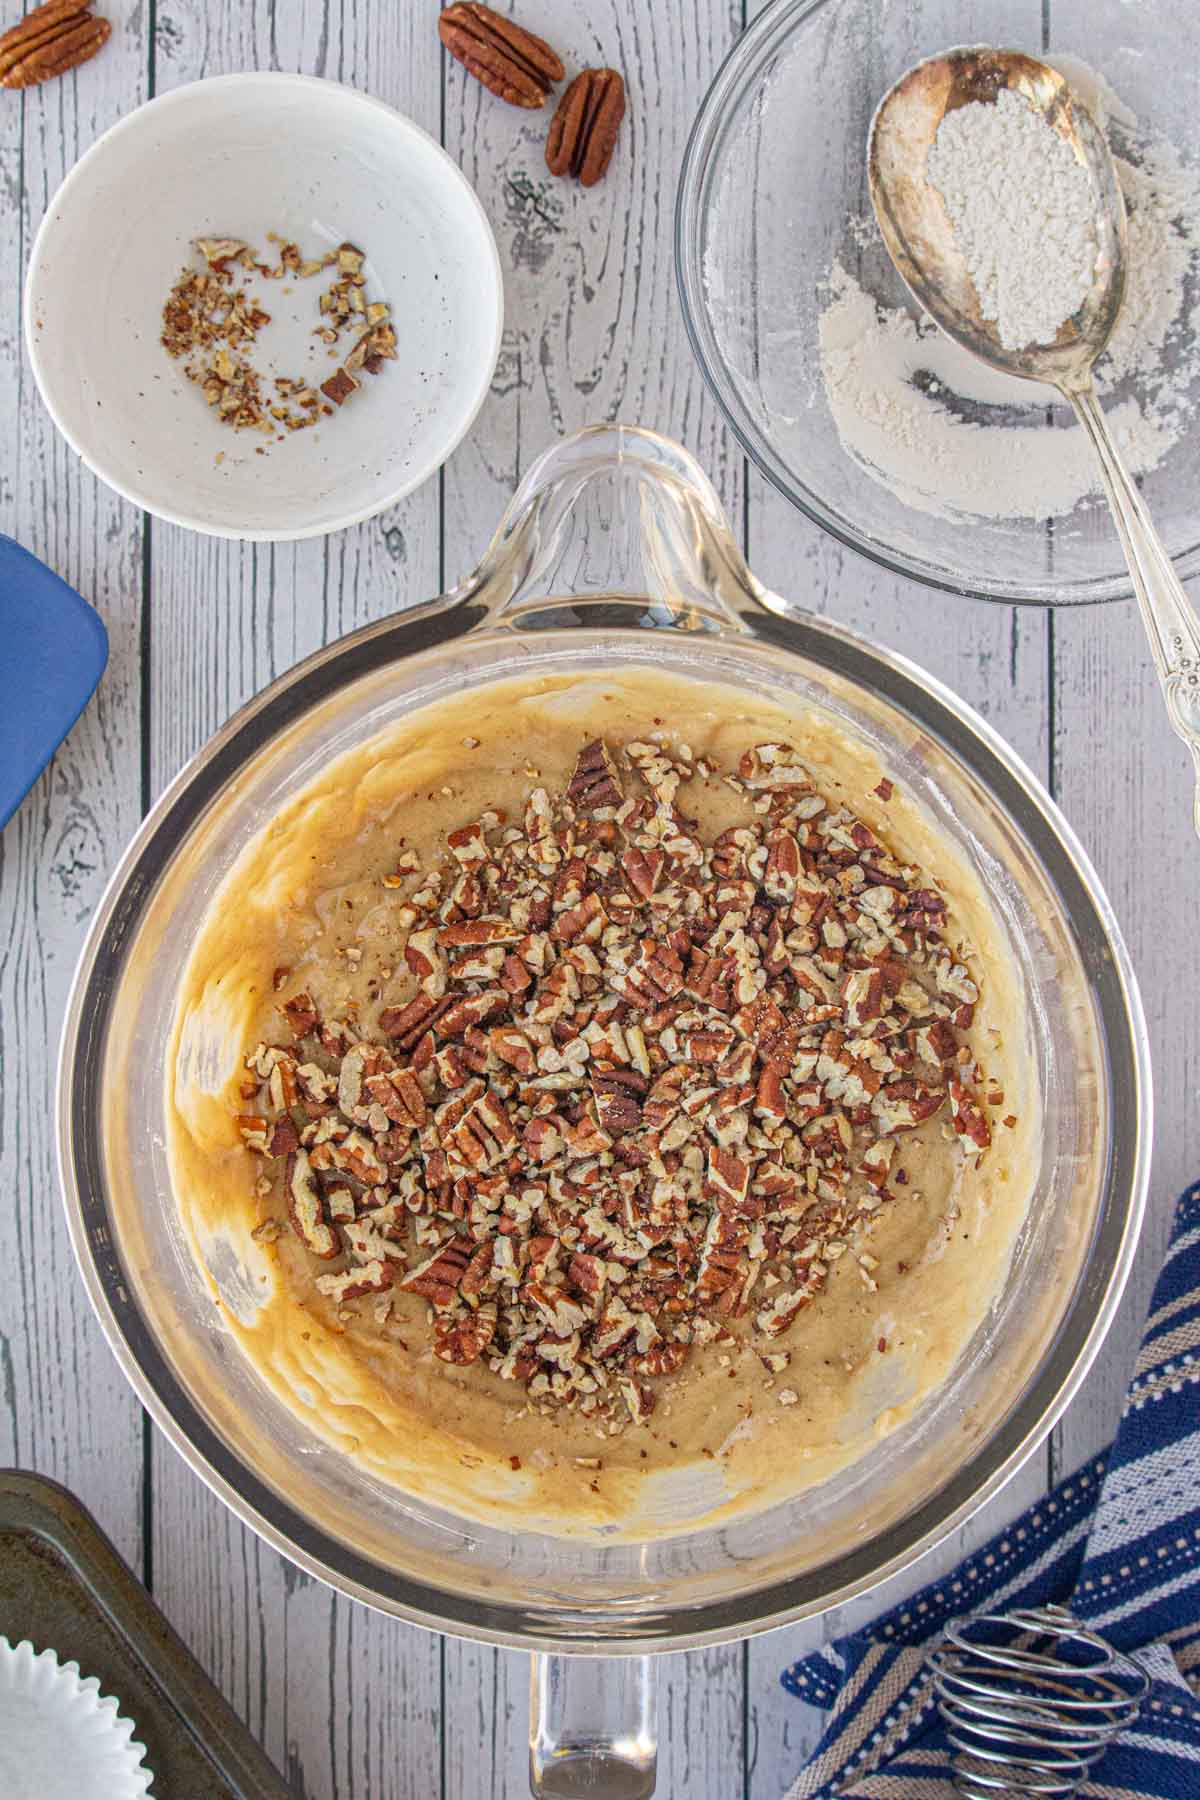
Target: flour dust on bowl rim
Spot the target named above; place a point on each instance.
(613, 554)
(329, 165)
(783, 278)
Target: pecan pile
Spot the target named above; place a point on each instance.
(214, 324)
(639, 1087)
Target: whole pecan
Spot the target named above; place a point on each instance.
(511, 62)
(51, 40)
(583, 132)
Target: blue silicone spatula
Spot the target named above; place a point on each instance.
(53, 648)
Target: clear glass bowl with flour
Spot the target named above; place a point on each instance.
(851, 401)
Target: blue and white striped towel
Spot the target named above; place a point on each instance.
(1118, 1541)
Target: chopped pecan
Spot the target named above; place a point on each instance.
(462, 1337)
(407, 1023)
(780, 1313)
(484, 1136)
(305, 1209)
(478, 932)
(904, 1105)
(970, 1120)
(354, 1155)
(513, 1047)
(542, 1140)
(284, 1138)
(618, 1094)
(587, 1273)
(655, 975)
(637, 1398)
(581, 924)
(511, 62)
(437, 1278)
(643, 870)
(401, 1096)
(472, 1009)
(254, 1130)
(340, 1205)
(615, 1328)
(663, 1358)
(782, 870)
(469, 845)
(367, 1243)
(478, 1272)
(728, 1177)
(595, 782)
(774, 766)
(515, 977)
(351, 1284)
(935, 1042)
(339, 386)
(424, 958)
(862, 997)
(770, 1102)
(301, 1014)
(336, 1039)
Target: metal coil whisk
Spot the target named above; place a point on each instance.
(1031, 1700)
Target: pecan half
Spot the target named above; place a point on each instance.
(583, 132)
(511, 62)
(50, 41)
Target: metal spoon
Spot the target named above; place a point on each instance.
(917, 231)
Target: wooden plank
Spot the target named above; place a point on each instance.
(344, 1699)
(593, 334)
(65, 1409)
(593, 331)
(995, 657)
(348, 1702)
(1124, 781)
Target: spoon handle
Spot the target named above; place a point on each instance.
(1171, 621)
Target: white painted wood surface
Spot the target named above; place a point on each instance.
(349, 1704)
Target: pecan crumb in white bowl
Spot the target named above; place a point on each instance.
(241, 157)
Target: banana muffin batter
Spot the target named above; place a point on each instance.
(604, 1082)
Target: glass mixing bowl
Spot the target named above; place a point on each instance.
(773, 191)
(613, 554)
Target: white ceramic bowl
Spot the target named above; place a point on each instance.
(240, 156)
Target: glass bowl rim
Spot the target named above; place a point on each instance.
(533, 1626)
(764, 37)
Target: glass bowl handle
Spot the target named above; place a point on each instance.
(615, 516)
(593, 1727)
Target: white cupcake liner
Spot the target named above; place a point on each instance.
(60, 1738)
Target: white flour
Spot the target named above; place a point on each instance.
(1021, 207)
(920, 415)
